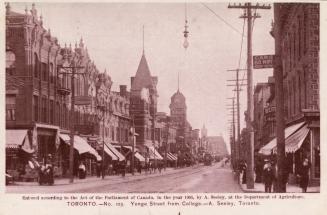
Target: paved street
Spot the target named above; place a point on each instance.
(198, 179)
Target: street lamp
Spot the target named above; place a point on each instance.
(69, 68)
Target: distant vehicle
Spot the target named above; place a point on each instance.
(207, 159)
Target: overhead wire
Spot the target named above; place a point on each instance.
(224, 21)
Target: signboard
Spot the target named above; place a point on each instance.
(263, 61)
(83, 100)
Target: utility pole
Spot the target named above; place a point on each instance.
(237, 85)
(235, 147)
(71, 70)
(248, 15)
(280, 124)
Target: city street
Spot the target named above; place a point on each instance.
(197, 179)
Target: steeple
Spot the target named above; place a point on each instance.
(178, 82)
(143, 40)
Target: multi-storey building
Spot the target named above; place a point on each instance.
(178, 114)
(299, 40)
(261, 95)
(143, 108)
(39, 96)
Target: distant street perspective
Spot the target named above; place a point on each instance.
(162, 98)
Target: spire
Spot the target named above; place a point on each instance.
(34, 11)
(178, 82)
(143, 40)
(8, 8)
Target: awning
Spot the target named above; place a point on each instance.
(171, 156)
(81, 145)
(18, 139)
(116, 152)
(153, 153)
(110, 153)
(139, 157)
(294, 142)
(266, 150)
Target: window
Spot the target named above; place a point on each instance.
(10, 63)
(10, 107)
(51, 72)
(51, 112)
(44, 72)
(44, 110)
(112, 133)
(36, 66)
(118, 134)
(36, 108)
(305, 31)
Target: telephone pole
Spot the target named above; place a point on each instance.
(235, 148)
(247, 7)
(280, 123)
(237, 85)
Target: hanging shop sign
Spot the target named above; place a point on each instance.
(263, 61)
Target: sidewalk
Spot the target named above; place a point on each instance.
(290, 188)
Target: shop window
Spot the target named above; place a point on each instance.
(10, 107)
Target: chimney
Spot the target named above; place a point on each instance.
(123, 90)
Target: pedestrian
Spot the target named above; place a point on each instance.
(268, 176)
(98, 169)
(81, 170)
(304, 175)
(139, 167)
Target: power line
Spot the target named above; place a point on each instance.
(224, 21)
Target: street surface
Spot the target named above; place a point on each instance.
(197, 179)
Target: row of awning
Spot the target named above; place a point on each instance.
(294, 138)
(19, 139)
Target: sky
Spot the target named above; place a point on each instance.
(113, 35)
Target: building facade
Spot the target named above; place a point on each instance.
(299, 39)
(143, 106)
(39, 96)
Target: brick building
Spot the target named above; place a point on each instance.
(299, 39)
(178, 114)
(38, 98)
(143, 109)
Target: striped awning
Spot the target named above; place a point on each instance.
(294, 142)
(154, 154)
(80, 145)
(116, 152)
(268, 148)
(16, 139)
(139, 157)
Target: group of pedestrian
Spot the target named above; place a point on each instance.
(269, 175)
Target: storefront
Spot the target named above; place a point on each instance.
(83, 153)
(301, 141)
(19, 155)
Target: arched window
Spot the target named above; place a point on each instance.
(51, 72)
(10, 62)
(36, 66)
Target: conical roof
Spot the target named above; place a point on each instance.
(143, 76)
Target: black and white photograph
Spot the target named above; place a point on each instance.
(162, 98)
